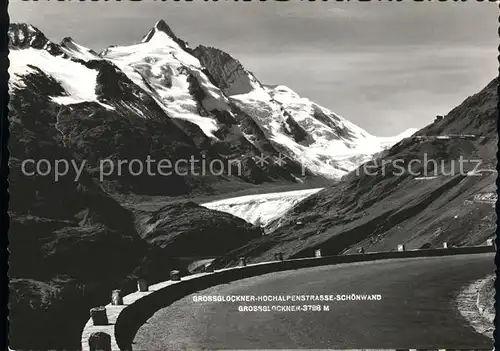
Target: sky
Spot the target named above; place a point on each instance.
(384, 66)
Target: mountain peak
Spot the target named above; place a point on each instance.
(160, 26)
(228, 72)
(67, 40)
(74, 50)
(163, 26)
(23, 36)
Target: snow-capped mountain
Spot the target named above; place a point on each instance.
(207, 98)
(320, 140)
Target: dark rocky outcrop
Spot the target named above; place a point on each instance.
(69, 43)
(194, 230)
(71, 243)
(162, 26)
(227, 72)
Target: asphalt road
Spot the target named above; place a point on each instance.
(417, 309)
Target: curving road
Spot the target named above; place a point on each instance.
(417, 309)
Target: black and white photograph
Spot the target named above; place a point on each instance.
(252, 175)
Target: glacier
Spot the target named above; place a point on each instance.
(262, 208)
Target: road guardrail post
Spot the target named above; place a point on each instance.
(175, 275)
(116, 298)
(445, 245)
(491, 242)
(99, 316)
(317, 253)
(99, 341)
(142, 285)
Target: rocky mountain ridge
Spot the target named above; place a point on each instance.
(208, 96)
